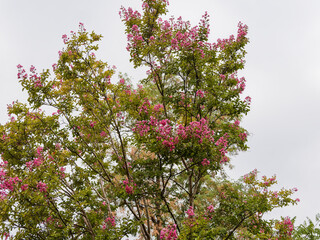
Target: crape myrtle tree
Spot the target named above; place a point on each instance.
(115, 160)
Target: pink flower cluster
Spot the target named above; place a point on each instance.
(196, 129)
(205, 162)
(243, 136)
(56, 113)
(157, 107)
(33, 75)
(241, 84)
(144, 107)
(21, 72)
(182, 39)
(269, 181)
(247, 100)
(24, 187)
(6, 235)
(161, 127)
(190, 212)
(134, 38)
(61, 172)
(103, 134)
(287, 226)
(81, 27)
(122, 81)
(223, 143)
(128, 14)
(223, 43)
(200, 93)
(204, 23)
(176, 34)
(128, 186)
(92, 123)
(242, 31)
(142, 128)
(37, 161)
(110, 221)
(65, 38)
(169, 233)
(42, 186)
(250, 176)
(210, 209)
(7, 184)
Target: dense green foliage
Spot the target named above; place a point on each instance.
(308, 230)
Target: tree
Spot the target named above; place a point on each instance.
(308, 230)
(115, 160)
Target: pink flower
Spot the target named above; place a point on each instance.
(205, 162)
(81, 26)
(247, 99)
(24, 187)
(92, 123)
(210, 208)
(243, 136)
(135, 28)
(157, 107)
(42, 187)
(58, 146)
(200, 93)
(190, 212)
(103, 134)
(129, 189)
(111, 221)
(169, 233)
(32, 69)
(65, 38)
(6, 235)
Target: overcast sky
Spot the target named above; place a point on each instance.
(282, 72)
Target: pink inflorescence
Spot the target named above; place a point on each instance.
(36, 162)
(190, 212)
(42, 187)
(198, 130)
(7, 184)
(170, 137)
(210, 209)
(162, 128)
(242, 31)
(169, 233)
(111, 221)
(128, 186)
(287, 225)
(205, 162)
(243, 136)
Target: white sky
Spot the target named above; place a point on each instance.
(282, 71)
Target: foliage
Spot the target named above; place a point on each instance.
(116, 160)
(308, 230)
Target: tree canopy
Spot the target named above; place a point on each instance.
(116, 160)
